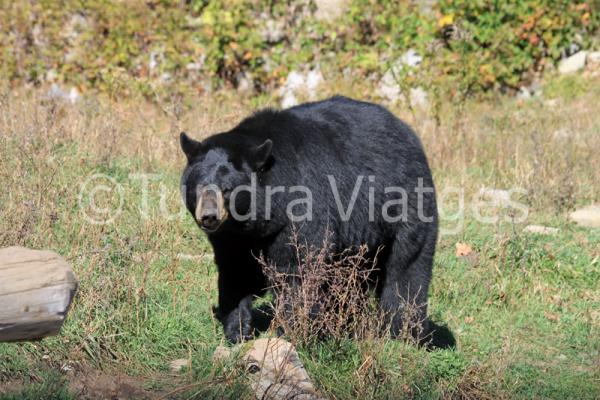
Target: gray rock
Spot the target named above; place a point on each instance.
(588, 217)
(572, 64)
(411, 58)
(166, 77)
(593, 57)
(426, 7)
(76, 25)
(524, 93)
(273, 31)
(388, 87)
(197, 65)
(58, 93)
(179, 364)
(289, 100)
(418, 97)
(329, 10)
(51, 75)
(497, 197)
(298, 83)
(563, 134)
(541, 230)
(153, 63)
(221, 354)
(244, 83)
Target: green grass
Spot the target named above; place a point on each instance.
(525, 315)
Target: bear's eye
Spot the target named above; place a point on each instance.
(222, 171)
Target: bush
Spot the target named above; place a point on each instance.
(121, 48)
(325, 297)
(505, 43)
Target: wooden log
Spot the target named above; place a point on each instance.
(36, 289)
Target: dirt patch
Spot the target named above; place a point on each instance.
(89, 383)
(12, 386)
(96, 384)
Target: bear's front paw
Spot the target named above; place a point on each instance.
(237, 330)
(238, 324)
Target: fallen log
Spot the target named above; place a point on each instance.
(36, 289)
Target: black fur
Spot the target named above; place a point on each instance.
(302, 145)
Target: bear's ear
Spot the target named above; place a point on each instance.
(189, 146)
(261, 155)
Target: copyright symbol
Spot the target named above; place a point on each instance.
(101, 199)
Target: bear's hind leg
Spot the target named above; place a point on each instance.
(403, 296)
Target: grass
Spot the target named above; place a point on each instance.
(524, 311)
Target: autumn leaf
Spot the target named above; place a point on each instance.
(463, 249)
(554, 317)
(446, 20)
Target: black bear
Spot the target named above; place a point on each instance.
(341, 167)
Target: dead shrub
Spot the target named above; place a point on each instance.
(326, 295)
(331, 295)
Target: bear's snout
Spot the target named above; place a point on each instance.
(210, 209)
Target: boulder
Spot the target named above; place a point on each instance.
(572, 64)
(588, 217)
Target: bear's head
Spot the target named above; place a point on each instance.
(217, 168)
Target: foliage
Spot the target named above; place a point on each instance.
(503, 43)
(120, 48)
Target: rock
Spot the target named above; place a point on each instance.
(388, 86)
(298, 83)
(313, 80)
(593, 57)
(463, 249)
(418, 97)
(197, 65)
(411, 59)
(166, 77)
(179, 364)
(389, 89)
(244, 82)
(551, 103)
(273, 31)
(153, 63)
(57, 93)
(588, 217)
(221, 354)
(329, 10)
(76, 25)
(426, 7)
(289, 100)
(498, 197)
(524, 93)
(541, 230)
(51, 75)
(562, 134)
(276, 371)
(572, 64)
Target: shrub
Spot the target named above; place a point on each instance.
(468, 46)
(325, 297)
